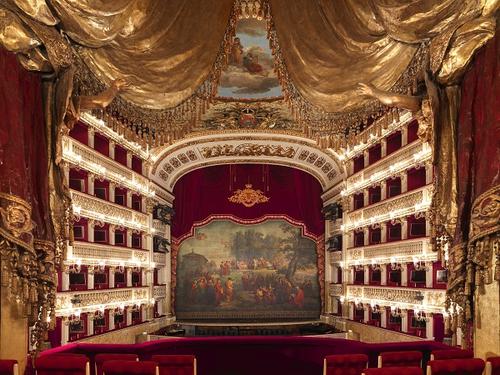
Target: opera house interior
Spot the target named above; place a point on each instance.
(240, 187)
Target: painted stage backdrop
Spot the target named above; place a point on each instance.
(247, 272)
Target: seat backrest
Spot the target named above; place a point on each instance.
(451, 354)
(62, 364)
(492, 366)
(464, 366)
(104, 357)
(345, 364)
(407, 370)
(400, 359)
(9, 367)
(129, 368)
(175, 364)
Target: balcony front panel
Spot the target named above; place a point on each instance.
(92, 253)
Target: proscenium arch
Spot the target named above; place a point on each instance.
(173, 162)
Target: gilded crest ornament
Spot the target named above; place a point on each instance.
(248, 196)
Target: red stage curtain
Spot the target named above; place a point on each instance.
(205, 192)
(478, 132)
(23, 143)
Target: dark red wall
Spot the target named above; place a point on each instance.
(204, 192)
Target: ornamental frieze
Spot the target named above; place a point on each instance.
(247, 149)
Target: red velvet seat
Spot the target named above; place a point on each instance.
(451, 354)
(400, 359)
(466, 366)
(175, 364)
(410, 370)
(129, 368)
(9, 367)
(492, 366)
(104, 357)
(345, 364)
(62, 364)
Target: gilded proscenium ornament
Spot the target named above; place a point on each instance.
(248, 196)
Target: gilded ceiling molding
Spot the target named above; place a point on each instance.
(174, 162)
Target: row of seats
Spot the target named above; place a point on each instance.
(107, 364)
(442, 362)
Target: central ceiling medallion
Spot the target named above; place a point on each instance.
(248, 196)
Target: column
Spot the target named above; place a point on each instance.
(383, 274)
(335, 305)
(143, 204)
(383, 147)
(404, 135)
(383, 232)
(91, 132)
(428, 173)
(383, 316)
(366, 313)
(144, 313)
(366, 270)
(112, 229)
(144, 241)
(404, 229)
(366, 236)
(366, 197)
(144, 277)
(350, 276)
(404, 320)
(65, 279)
(90, 278)
(65, 331)
(404, 274)
(335, 274)
(429, 271)
(366, 156)
(111, 277)
(112, 187)
(90, 230)
(111, 318)
(128, 316)
(129, 159)
(129, 199)
(429, 327)
(128, 271)
(90, 325)
(428, 226)
(129, 237)
(351, 311)
(112, 149)
(404, 182)
(90, 183)
(383, 190)
(66, 172)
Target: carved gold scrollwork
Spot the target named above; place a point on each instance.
(248, 196)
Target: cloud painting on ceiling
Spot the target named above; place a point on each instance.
(249, 73)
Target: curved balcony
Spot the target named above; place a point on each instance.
(97, 209)
(406, 204)
(89, 159)
(91, 254)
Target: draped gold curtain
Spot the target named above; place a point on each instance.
(164, 49)
(330, 46)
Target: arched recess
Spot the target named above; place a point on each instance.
(174, 161)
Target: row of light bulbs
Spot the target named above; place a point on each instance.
(77, 211)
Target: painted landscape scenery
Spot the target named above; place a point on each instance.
(256, 272)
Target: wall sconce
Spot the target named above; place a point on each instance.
(375, 266)
(98, 268)
(396, 312)
(74, 318)
(419, 265)
(75, 268)
(120, 268)
(420, 316)
(395, 266)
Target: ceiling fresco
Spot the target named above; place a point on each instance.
(250, 70)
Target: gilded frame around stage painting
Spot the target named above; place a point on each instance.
(241, 271)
